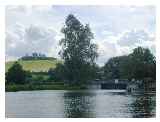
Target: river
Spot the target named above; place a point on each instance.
(81, 104)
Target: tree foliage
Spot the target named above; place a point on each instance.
(113, 68)
(16, 74)
(138, 65)
(57, 74)
(141, 64)
(77, 50)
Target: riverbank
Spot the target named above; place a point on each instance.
(30, 87)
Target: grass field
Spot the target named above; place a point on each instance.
(34, 65)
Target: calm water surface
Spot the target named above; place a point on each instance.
(94, 103)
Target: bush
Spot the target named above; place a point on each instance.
(16, 74)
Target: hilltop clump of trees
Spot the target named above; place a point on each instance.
(36, 56)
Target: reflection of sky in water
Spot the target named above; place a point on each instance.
(98, 103)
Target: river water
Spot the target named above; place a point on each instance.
(81, 104)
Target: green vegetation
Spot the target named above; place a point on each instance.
(34, 65)
(36, 56)
(16, 74)
(78, 52)
(30, 75)
(113, 68)
(44, 86)
(139, 65)
(17, 79)
(38, 72)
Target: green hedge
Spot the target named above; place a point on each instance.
(29, 87)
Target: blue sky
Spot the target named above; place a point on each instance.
(117, 29)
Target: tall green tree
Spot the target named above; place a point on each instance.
(78, 52)
(16, 74)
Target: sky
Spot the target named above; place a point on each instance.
(117, 29)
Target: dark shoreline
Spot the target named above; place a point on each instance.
(31, 87)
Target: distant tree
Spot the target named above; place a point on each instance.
(138, 65)
(77, 50)
(113, 68)
(38, 78)
(43, 55)
(57, 74)
(28, 76)
(141, 64)
(51, 74)
(39, 55)
(16, 74)
(35, 54)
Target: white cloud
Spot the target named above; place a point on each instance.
(133, 37)
(32, 39)
(117, 29)
(124, 43)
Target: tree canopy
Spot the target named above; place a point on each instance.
(142, 64)
(16, 74)
(113, 68)
(138, 65)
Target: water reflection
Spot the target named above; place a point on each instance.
(143, 105)
(111, 103)
(79, 104)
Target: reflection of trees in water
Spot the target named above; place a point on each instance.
(83, 104)
(78, 105)
(143, 106)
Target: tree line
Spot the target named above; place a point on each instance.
(140, 64)
(36, 56)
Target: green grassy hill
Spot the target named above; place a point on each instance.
(34, 65)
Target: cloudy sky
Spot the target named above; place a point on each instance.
(117, 29)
